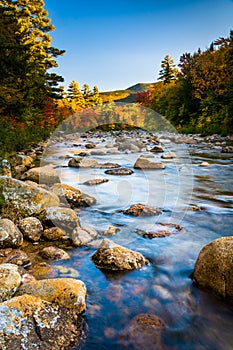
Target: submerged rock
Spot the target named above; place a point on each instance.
(144, 331)
(111, 256)
(142, 210)
(214, 267)
(10, 236)
(111, 231)
(31, 228)
(28, 322)
(145, 163)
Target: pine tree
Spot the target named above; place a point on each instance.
(75, 95)
(26, 56)
(169, 71)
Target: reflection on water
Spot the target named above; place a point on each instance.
(196, 320)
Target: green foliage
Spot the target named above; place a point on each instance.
(201, 99)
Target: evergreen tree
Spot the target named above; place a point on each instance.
(26, 56)
(169, 71)
(75, 95)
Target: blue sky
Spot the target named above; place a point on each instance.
(116, 44)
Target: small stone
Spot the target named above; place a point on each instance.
(169, 155)
(157, 149)
(90, 145)
(82, 236)
(108, 165)
(18, 258)
(204, 164)
(145, 163)
(111, 231)
(119, 172)
(95, 182)
(54, 253)
(142, 210)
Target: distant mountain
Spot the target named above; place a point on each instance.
(128, 95)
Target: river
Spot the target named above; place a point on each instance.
(199, 198)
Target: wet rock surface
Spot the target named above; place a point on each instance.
(10, 281)
(10, 235)
(31, 228)
(119, 172)
(145, 163)
(111, 256)
(142, 210)
(54, 253)
(43, 175)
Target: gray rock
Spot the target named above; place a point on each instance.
(214, 267)
(145, 163)
(82, 236)
(31, 228)
(111, 256)
(10, 236)
(10, 281)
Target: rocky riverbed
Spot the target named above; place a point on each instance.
(108, 234)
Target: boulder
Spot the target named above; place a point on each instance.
(17, 257)
(119, 172)
(144, 331)
(10, 236)
(214, 267)
(31, 228)
(142, 210)
(68, 293)
(111, 256)
(54, 253)
(44, 175)
(10, 281)
(27, 198)
(145, 163)
(64, 218)
(82, 236)
(169, 155)
(79, 162)
(28, 322)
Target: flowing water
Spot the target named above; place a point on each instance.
(199, 198)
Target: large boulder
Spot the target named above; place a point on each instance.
(28, 322)
(44, 175)
(145, 163)
(68, 293)
(214, 267)
(27, 198)
(111, 256)
(10, 236)
(10, 281)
